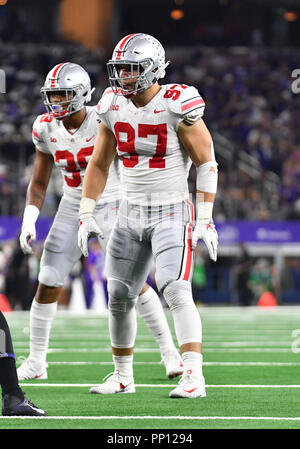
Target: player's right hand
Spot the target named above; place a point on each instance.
(87, 228)
(209, 235)
(28, 234)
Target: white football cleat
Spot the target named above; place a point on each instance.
(173, 364)
(32, 370)
(190, 385)
(115, 384)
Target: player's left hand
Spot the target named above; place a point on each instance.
(209, 235)
(28, 235)
(87, 228)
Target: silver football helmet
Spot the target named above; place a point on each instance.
(144, 59)
(71, 80)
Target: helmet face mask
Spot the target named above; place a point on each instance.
(119, 82)
(58, 109)
(72, 83)
(144, 58)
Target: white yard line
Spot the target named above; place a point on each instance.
(246, 349)
(38, 384)
(148, 350)
(190, 418)
(204, 363)
(101, 331)
(251, 363)
(245, 343)
(92, 339)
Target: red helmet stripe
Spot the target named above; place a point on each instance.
(55, 73)
(122, 44)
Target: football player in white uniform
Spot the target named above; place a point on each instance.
(157, 132)
(66, 135)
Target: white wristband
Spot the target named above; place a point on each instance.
(204, 212)
(87, 206)
(207, 177)
(31, 213)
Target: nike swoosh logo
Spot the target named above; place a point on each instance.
(169, 215)
(122, 387)
(156, 112)
(38, 376)
(87, 140)
(190, 391)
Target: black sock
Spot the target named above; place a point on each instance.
(9, 379)
(8, 373)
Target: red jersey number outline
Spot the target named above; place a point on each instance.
(173, 92)
(46, 118)
(144, 130)
(74, 166)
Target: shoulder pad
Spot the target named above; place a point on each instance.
(105, 101)
(41, 127)
(37, 127)
(184, 101)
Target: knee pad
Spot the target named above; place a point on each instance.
(117, 305)
(50, 277)
(122, 314)
(120, 298)
(178, 294)
(119, 290)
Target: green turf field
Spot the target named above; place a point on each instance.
(251, 367)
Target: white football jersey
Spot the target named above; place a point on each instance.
(71, 153)
(154, 164)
